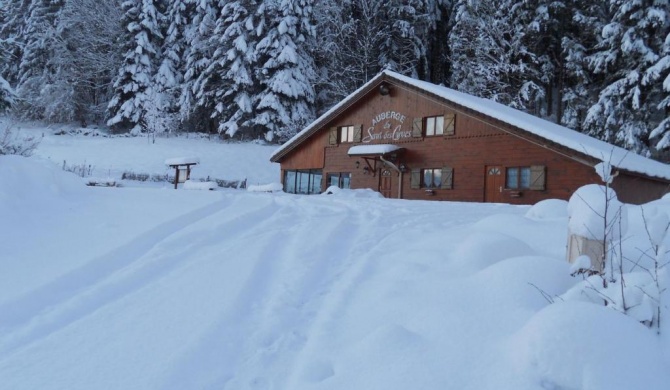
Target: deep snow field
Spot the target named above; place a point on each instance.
(147, 287)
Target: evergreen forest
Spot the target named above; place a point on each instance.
(250, 69)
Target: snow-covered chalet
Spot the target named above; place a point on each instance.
(411, 139)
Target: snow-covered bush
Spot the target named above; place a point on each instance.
(596, 213)
(548, 209)
(12, 143)
(630, 276)
(623, 267)
(6, 95)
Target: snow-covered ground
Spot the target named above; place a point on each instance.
(110, 157)
(145, 287)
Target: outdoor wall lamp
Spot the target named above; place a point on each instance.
(358, 164)
(366, 170)
(384, 89)
(402, 167)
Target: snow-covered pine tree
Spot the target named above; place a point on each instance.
(4, 44)
(6, 92)
(170, 74)
(403, 48)
(490, 53)
(578, 84)
(330, 86)
(209, 85)
(659, 73)
(285, 71)
(14, 14)
(628, 108)
(134, 82)
(440, 15)
(548, 22)
(202, 18)
(415, 38)
(357, 38)
(228, 80)
(87, 58)
(35, 69)
(6, 95)
(347, 46)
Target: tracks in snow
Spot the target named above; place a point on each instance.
(295, 264)
(119, 273)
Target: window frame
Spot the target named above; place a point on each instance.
(434, 185)
(519, 184)
(342, 179)
(434, 130)
(345, 134)
(303, 181)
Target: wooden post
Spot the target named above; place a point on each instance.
(176, 176)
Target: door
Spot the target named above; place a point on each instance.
(495, 181)
(385, 183)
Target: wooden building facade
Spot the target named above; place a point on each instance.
(415, 140)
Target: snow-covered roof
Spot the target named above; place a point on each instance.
(582, 143)
(182, 161)
(378, 149)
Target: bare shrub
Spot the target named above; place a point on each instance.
(13, 143)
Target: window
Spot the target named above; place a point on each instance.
(341, 179)
(431, 178)
(434, 125)
(303, 181)
(346, 134)
(518, 178)
(442, 125)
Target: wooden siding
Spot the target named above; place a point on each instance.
(637, 190)
(310, 154)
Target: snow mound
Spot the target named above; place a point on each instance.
(369, 365)
(482, 249)
(581, 346)
(586, 209)
(527, 281)
(548, 209)
(200, 185)
(347, 193)
(34, 182)
(544, 236)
